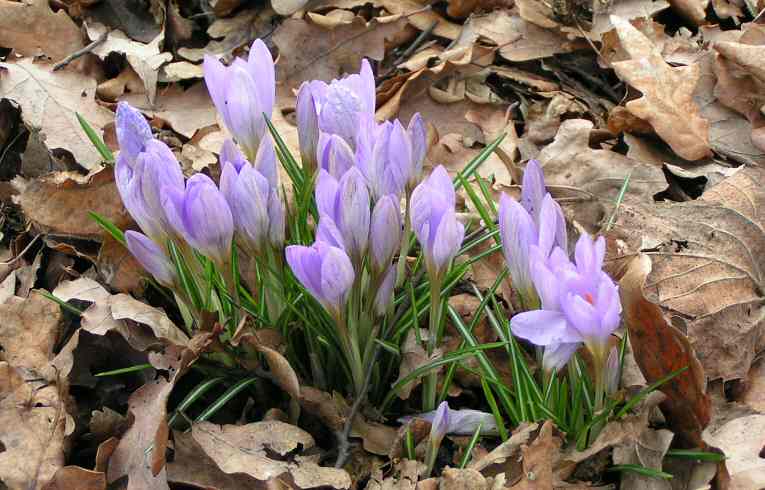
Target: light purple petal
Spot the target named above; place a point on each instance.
(229, 152)
(339, 113)
(308, 125)
(518, 233)
(448, 240)
(276, 218)
(385, 231)
(305, 263)
(544, 327)
(368, 86)
(132, 130)
(326, 194)
(384, 293)
(418, 135)
(440, 424)
(354, 212)
(216, 79)
(151, 257)
(557, 355)
(249, 208)
(245, 118)
(582, 315)
(261, 68)
(265, 162)
(533, 189)
(328, 232)
(337, 275)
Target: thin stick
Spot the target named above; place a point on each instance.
(80, 52)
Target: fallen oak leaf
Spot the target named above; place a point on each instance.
(33, 29)
(247, 448)
(667, 93)
(50, 102)
(661, 349)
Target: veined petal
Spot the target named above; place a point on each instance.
(229, 152)
(245, 113)
(151, 257)
(384, 293)
(448, 240)
(308, 125)
(325, 193)
(581, 314)
(544, 327)
(418, 135)
(305, 263)
(557, 355)
(132, 131)
(354, 212)
(533, 189)
(337, 275)
(516, 228)
(261, 68)
(328, 232)
(265, 162)
(385, 231)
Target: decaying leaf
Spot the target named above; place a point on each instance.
(648, 451)
(661, 349)
(144, 58)
(263, 450)
(49, 102)
(666, 103)
(60, 203)
(70, 477)
(741, 441)
(33, 29)
(311, 52)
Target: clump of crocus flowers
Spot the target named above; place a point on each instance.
(370, 200)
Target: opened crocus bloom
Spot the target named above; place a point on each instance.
(242, 93)
(580, 303)
(434, 221)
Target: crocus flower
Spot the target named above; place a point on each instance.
(519, 232)
(151, 257)
(384, 292)
(434, 221)
(460, 422)
(344, 206)
(340, 102)
(418, 137)
(613, 371)
(325, 271)
(242, 93)
(385, 232)
(308, 125)
(533, 189)
(390, 163)
(201, 215)
(334, 154)
(144, 166)
(580, 303)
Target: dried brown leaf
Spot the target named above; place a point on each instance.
(741, 441)
(185, 110)
(667, 101)
(70, 477)
(648, 450)
(247, 448)
(659, 350)
(32, 29)
(49, 101)
(538, 459)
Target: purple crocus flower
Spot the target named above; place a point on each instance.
(434, 221)
(242, 93)
(536, 220)
(151, 257)
(334, 154)
(308, 125)
(439, 426)
(460, 422)
(344, 211)
(580, 303)
(144, 166)
(201, 216)
(384, 292)
(390, 165)
(340, 102)
(385, 232)
(418, 137)
(325, 271)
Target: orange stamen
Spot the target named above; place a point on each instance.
(588, 297)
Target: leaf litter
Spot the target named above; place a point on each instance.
(666, 97)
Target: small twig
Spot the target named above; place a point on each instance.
(80, 52)
(416, 43)
(21, 254)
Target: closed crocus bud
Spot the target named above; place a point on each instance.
(439, 426)
(325, 271)
(151, 257)
(336, 156)
(551, 226)
(140, 183)
(265, 162)
(346, 205)
(518, 233)
(201, 216)
(434, 221)
(248, 201)
(533, 189)
(384, 293)
(276, 219)
(308, 125)
(343, 100)
(242, 93)
(418, 136)
(132, 131)
(385, 232)
(388, 166)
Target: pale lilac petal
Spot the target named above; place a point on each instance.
(265, 162)
(418, 135)
(261, 68)
(228, 178)
(354, 212)
(328, 232)
(440, 425)
(548, 225)
(326, 194)
(276, 219)
(518, 233)
(151, 257)
(308, 125)
(245, 113)
(462, 422)
(305, 263)
(385, 231)
(544, 327)
(368, 86)
(337, 275)
(132, 130)
(249, 207)
(533, 189)
(339, 113)
(216, 79)
(384, 293)
(229, 152)
(448, 240)
(556, 356)
(337, 157)
(582, 316)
